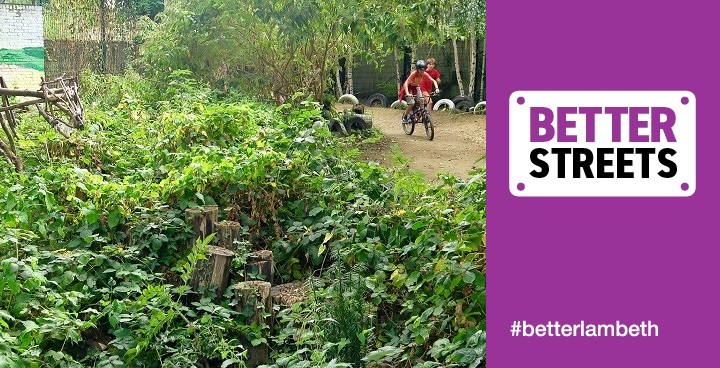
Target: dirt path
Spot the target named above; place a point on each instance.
(458, 147)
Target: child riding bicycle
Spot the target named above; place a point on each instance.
(415, 80)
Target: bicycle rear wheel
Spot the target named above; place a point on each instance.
(408, 127)
(429, 128)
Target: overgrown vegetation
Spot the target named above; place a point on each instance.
(95, 266)
(299, 45)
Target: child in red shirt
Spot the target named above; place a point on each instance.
(417, 78)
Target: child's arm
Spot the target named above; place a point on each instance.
(407, 83)
(437, 89)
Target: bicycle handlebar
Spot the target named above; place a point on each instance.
(432, 94)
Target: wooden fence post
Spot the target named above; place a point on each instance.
(213, 271)
(228, 232)
(254, 297)
(260, 263)
(196, 218)
(211, 218)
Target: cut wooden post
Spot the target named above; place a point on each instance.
(213, 272)
(228, 232)
(260, 265)
(254, 300)
(195, 217)
(211, 218)
(285, 295)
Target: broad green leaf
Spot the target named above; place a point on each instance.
(383, 352)
(10, 203)
(30, 325)
(226, 363)
(91, 216)
(113, 218)
(469, 277)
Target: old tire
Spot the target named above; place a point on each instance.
(356, 124)
(444, 104)
(400, 105)
(336, 127)
(480, 108)
(348, 98)
(463, 106)
(459, 99)
(376, 100)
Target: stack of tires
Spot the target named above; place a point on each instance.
(460, 103)
(353, 120)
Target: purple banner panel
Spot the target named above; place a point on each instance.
(583, 280)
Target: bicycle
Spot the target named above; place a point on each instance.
(419, 114)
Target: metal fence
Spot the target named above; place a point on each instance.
(369, 78)
(97, 36)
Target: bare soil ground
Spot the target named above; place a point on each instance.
(458, 147)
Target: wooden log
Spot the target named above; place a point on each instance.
(211, 218)
(228, 233)
(259, 266)
(285, 295)
(195, 217)
(254, 301)
(213, 272)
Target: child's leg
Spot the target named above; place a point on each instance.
(426, 98)
(410, 102)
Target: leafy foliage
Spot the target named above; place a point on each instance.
(293, 46)
(96, 267)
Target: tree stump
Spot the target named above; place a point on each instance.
(228, 232)
(211, 218)
(260, 266)
(213, 272)
(254, 301)
(195, 217)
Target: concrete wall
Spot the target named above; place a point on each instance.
(22, 52)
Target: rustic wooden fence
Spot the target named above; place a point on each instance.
(254, 290)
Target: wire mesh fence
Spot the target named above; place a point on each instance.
(102, 36)
(96, 36)
(369, 78)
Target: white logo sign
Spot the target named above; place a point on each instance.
(602, 143)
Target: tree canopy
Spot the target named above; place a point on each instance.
(285, 46)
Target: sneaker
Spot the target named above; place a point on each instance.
(405, 119)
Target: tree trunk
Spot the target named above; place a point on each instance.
(473, 62)
(457, 67)
(482, 74)
(338, 85)
(349, 73)
(397, 69)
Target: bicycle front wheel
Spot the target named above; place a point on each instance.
(408, 127)
(429, 128)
